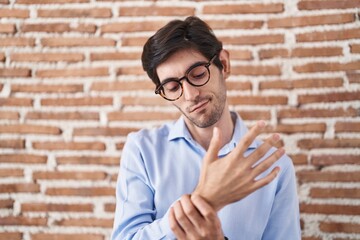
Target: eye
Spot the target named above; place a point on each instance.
(171, 86)
(197, 73)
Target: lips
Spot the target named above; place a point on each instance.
(199, 105)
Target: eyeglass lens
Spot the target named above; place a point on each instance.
(197, 76)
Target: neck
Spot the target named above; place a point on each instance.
(203, 135)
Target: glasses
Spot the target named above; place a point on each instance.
(197, 75)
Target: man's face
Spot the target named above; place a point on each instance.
(202, 106)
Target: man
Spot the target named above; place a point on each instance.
(204, 176)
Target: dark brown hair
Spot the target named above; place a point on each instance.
(192, 33)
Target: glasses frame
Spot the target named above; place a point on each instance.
(160, 90)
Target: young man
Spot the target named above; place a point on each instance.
(204, 176)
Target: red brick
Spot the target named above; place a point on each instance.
(329, 4)
(146, 101)
(103, 131)
(75, 13)
(304, 21)
(109, 207)
(252, 39)
(78, 175)
(74, 146)
(2, 57)
(133, 41)
(259, 70)
(70, 72)
(47, 88)
(64, 116)
(50, 1)
(156, 11)
(6, 28)
(17, 42)
(335, 193)
(142, 116)
(130, 71)
(60, 236)
(12, 143)
(316, 113)
(47, 57)
(299, 159)
(89, 160)
(30, 129)
(330, 209)
(328, 143)
(11, 172)
(296, 128)
(340, 227)
(120, 27)
(19, 188)
(46, 27)
(355, 48)
(4, 2)
(15, 72)
(11, 235)
(86, 101)
(255, 115)
(317, 52)
(84, 191)
(243, 8)
(328, 35)
(327, 67)
(347, 127)
(353, 77)
(310, 238)
(86, 222)
(273, 53)
(6, 203)
(22, 158)
(123, 86)
(77, 42)
(122, 55)
(257, 100)
(237, 54)
(14, 13)
(9, 115)
(53, 207)
(16, 102)
(316, 176)
(328, 160)
(23, 221)
(235, 24)
(302, 83)
(329, 97)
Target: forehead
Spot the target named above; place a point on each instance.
(177, 64)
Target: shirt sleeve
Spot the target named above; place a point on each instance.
(135, 214)
(284, 220)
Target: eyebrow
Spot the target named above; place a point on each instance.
(191, 66)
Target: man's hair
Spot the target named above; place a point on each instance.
(192, 33)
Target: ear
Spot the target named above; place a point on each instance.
(224, 57)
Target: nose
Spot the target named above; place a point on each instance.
(190, 91)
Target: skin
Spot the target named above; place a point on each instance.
(208, 118)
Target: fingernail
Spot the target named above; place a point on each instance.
(261, 124)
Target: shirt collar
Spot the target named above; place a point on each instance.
(179, 130)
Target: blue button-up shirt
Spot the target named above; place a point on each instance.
(158, 166)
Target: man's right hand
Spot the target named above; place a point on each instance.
(233, 177)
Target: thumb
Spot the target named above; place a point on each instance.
(214, 147)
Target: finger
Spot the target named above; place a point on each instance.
(268, 162)
(266, 180)
(214, 147)
(191, 211)
(263, 149)
(175, 226)
(207, 211)
(249, 138)
(183, 220)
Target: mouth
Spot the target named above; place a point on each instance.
(199, 106)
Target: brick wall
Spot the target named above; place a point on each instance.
(72, 88)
